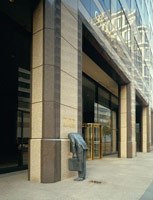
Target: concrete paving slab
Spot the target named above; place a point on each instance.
(121, 179)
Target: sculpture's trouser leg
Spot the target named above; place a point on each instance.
(82, 157)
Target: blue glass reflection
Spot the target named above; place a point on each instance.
(95, 12)
(129, 4)
(107, 5)
(87, 5)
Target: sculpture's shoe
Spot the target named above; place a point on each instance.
(78, 179)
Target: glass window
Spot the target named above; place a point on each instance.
(129, 37)
(88, 100)
(135, 52)
(119, 7)
(139, 60)
(107, 5)
(103, 97)
(145, 14)
(146, 39)
(87, 5)
(146, 71)
(94, 11)
(128, 3)
(138, 16)
(120, 18)
(125, 29)
(114, 102)
(114, 6)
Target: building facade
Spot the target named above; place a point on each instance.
(81, 64)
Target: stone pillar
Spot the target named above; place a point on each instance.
(123, 122)
(131, 121)
(114, 130)
(151, 128)
(56, 80)
(148, 129)
(127, 121)
(144, 128)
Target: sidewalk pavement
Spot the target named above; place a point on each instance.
(108, 179)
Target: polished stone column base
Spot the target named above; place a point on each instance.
(45, 160)
(49, 160)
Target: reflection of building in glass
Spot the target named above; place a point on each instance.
(23, 113)
(24, 102)
(24, 89)
(125, 25)
(120, 22)
(103, 115)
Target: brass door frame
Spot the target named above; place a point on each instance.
(92, 126)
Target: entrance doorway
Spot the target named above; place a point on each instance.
(139, 127)
(15, 51)
(100, 119)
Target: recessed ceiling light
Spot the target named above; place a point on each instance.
(11, 1)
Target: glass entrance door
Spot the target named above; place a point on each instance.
(104, 118)
(96, 142)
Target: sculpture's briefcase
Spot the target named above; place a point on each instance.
(75, 164)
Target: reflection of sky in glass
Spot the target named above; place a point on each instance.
(94, 10)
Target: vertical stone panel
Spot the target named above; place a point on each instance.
(35, 160)
(49, 14)
(131, 121)
(144, 129)
(37, 49)
(68, 119)
(69, 58)
(149, 129)
(72, 6)
(127, 121)
(38, 16)
(69, 90)
(114, 130)
(37, 94)
(36, 120)
(79, 75)
(50, 161)
(37, 84)
(69, 27)
(123, 121)
(69, 80)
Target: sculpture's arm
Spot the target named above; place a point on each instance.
(72, 146)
